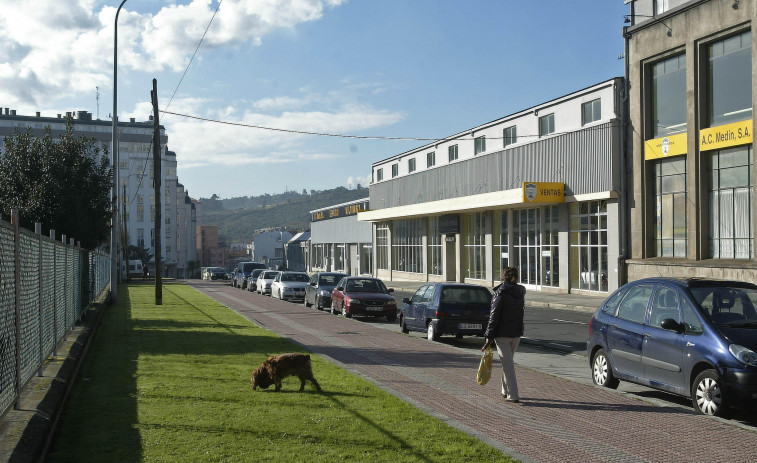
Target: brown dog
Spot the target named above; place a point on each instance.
(278, 367)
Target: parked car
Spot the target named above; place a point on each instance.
(243, 272)
(689, 336)
(265, 280)
(447, 308)
(363, 297)
(252, 281)
(319, 288)
(289, 285)
(217, 273)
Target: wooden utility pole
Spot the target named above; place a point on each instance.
(156, 183)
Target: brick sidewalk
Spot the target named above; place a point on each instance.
(557, 420)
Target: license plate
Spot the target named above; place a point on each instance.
(374, 309)
(469, 326)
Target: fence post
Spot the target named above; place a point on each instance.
(38, 231)
(17, 271)
(65, 287)
(55, 294)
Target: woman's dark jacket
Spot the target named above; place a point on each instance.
(506, 316)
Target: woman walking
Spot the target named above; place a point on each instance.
(506, 327)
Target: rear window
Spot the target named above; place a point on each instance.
(256, 272)
(365, 286)
(295, 277)
(328, 280)
(250, 266)
(466, 295)
(269, 275)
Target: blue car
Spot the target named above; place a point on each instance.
(689, 336)
(447, 308)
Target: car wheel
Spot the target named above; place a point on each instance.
(431, 333)
(601, 371)
(403, 326)
(708, 394)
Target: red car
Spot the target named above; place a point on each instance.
(363, 297)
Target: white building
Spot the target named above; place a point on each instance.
(187, 263)
(136, 175)
(268, 246)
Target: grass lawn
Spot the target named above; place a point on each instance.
(172, 383)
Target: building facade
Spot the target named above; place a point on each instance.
(188, 265)
(539, 190)
(136, 191)
(691, 70)
(297, 250)
(268, 246)
(339, 242)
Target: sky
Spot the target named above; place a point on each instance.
(375, 68)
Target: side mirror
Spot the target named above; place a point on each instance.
(339, 288)
(406, 300)
(312, 284)
(672, 325)
(390, 290)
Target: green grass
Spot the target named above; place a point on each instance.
(172, 383)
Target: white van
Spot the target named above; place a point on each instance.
(134, 268)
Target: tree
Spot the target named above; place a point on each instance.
(139, 253)
(64, 184)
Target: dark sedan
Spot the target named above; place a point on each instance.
(447, 308)
(689, 336)
(218, 273)
(319, 288)
(363, 297)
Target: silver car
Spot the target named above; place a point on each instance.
(290, 285)
(265, 280)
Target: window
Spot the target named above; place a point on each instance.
(729, 74)
(141, 237)
(550, 248)
(480, 143)
(382, 245)
(509, 136)
(430, 159)
(588, 245)
(140, 208)
(670, 232)
(366, 258)
(634, 306)
(434, 247)
(591, 111)
(661, 6)
(546, 124)
(395, 170)
(691, 322)
(668, 87)
(731, 185)
(665, 305)
(501, 237)
(475, 245)
(411, 165)
(526, 245)
(379, 175)
(407, 246)
(452, 150)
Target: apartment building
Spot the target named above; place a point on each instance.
(691, 70)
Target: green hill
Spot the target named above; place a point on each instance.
(238, 218)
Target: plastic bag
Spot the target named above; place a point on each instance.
(485, 367)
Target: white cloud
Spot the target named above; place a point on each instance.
(353, 182)
(52, 49)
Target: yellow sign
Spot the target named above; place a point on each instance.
(673, 145)
(723, 136)
(543, 192)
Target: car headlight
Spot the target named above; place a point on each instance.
(324, 293)
(743, 354)
(355, 302)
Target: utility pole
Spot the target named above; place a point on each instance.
(156, 183)
(125, 237)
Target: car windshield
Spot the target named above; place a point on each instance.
(250, 266)
(328, 280)
(365, 286)
(269, 275)
(218, 270)
(466, 295)
(728, 305)
(302, 277)
(256, 272)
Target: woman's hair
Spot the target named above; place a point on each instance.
(510, 273)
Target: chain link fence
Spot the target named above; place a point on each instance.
(45, 286)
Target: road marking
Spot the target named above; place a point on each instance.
(568, 321)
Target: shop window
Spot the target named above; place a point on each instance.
(550, 248)
(366, 259)
(407, 246)
(729, 79)
(588, 246)
(382, 246)
(670, 233)
(668, 88)
(527, 235)
(501, 248)
(435, 247)
(731, 184)
(475, 246)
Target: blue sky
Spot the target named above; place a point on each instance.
(398, 68)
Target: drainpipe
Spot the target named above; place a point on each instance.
(624, 121)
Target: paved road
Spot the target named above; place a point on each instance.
(562, 417)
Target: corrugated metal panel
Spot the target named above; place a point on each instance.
(586, 161)
(341, 230)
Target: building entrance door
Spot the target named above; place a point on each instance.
(527, 233)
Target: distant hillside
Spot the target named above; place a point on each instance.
(238, 218)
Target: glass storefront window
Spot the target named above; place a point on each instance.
(588, 246)
(527, 224)
(407, 246)
(550, 249)
(434, 247)
(382, 245)
(731, 185)
(670, 233)
(501, 237)
(729, 75)
(669, 97)
(475, 246)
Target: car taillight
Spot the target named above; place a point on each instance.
(441, 314)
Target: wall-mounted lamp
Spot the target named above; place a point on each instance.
(735, 4)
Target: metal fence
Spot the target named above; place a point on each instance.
(45, 286)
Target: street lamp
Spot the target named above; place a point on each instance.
(114, 238)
